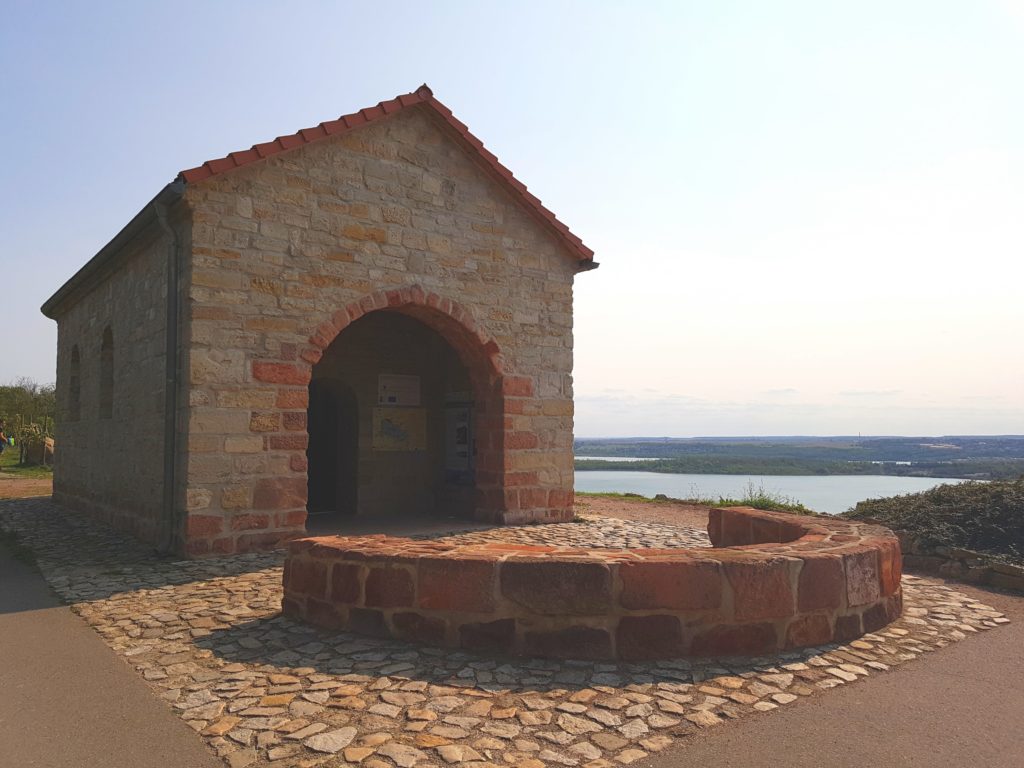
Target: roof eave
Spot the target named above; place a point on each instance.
(94, 268)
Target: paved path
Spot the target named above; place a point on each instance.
(961, 706)
(67, 699)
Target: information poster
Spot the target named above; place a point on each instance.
(398, 390)
(399, 429)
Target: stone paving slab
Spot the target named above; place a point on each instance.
(264, 690)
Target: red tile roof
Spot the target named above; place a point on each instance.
(421, 96)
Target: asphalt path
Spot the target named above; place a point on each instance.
(960, 706)
(67, 700)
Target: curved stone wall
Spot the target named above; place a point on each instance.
(771, 581)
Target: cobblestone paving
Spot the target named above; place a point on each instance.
(263, 690)
(589, 532)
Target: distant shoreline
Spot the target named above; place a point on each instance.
(961, 457)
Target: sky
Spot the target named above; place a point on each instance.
(808, 215)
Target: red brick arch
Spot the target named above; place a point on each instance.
(482, 357)
(508, 489)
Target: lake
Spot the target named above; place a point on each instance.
(830, 493)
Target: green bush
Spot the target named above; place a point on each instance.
(985, 517)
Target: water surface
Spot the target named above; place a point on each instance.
(829, 493)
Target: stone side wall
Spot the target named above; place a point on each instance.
(112, 468)
(772, 582)
(288, 251)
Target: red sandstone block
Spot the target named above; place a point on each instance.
(863, 580)
(203, 525)
(764, 530)
(279, 493)
(312, 355)
(345, 585)
(560, 499)
(791, 531)
(847, 628)
(569, 643)
(299, 546)
(298, 462)
(736, 529)
(557, 587)
(367, 621)
(715, 527)
(531, 498)
(496, 636)
(340, 321)
(735, 640)
(389, 588)
(294, 420)
(822, 583)
(305, 577)
(292, 608)
(515, 407)
(682, 585)
(518, 479)
(461, 585)
(197, 547)
(258, 542)
(761, 588)
(882, 613)
(419, 628)
(521, 441)
(890, 561)
(324, 614)
(296, 442)
(248, 522)
(517, 386)
(280, 373)
(292, 518)
(810, 629)
(225, 545)
(292, 398)
(648, 637)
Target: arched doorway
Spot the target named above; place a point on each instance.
(400, 421)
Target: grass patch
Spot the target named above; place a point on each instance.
(11, 468)
(624, 496)
(756, 496)
(984, 517)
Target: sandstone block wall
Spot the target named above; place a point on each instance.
(289, 251)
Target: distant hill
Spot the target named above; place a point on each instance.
(968, 456)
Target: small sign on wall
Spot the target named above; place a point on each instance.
(398, 390)
(399, 429)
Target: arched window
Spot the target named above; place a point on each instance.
(107, 374)
(75, 386)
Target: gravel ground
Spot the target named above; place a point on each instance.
(261, 689)
(669, 512)
(590, 531)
